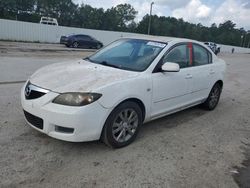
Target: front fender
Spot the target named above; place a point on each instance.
(139, 88)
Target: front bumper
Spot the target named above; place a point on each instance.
(75, 124)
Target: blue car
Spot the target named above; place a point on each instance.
(82, 41)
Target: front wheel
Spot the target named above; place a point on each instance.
(98, 46)
(213, 98)
(122, 125)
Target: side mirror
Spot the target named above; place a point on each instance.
(170, 67)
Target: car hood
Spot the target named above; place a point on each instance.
(78, 76)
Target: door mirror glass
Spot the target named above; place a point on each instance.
(170, 67)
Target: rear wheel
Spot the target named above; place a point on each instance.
(122, 125)
(213, 98)
(75, 44)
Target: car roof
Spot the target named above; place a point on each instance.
(162, 39)
(80, 35)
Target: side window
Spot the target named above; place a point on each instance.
(81, 37)
(201, 55)
(88, 38)
(179, 55)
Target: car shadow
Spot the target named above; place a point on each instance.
(172, 120)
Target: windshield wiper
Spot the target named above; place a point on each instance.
(110, 65)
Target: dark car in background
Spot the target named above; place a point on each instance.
(64, 38)
(81, 41)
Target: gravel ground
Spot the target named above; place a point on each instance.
(192, 148)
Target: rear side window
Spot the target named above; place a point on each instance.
(201, 55)
(87, 37)
(83, 37)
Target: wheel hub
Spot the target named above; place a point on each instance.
(125, 125)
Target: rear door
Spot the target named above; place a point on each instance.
(202, 72)
(92, 42)
(83, 41)
(89, 41)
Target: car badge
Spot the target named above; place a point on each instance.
(27, 90)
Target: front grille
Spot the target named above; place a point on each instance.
(34, 120)
(34, 94)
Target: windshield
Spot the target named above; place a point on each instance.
(128, 54)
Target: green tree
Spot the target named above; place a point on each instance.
(89, 17)
(125, 14)
(118, 18)
(63, 10)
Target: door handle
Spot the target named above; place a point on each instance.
(189, 76)
(211, 71)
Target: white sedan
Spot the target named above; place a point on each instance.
(111, 93)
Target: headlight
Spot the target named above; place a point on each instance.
(76, 99)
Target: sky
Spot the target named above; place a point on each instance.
(205, 12)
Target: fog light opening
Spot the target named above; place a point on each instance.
(63, 129)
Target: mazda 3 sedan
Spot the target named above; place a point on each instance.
(111, 93)
(81, 41)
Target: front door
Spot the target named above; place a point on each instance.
(171, 89)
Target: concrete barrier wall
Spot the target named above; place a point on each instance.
(35, 32)
(228, 49)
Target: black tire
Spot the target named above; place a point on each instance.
(213, 97)
(109, 137)
(75, 44)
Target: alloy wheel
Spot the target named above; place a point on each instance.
(125, 125)
(214, 96)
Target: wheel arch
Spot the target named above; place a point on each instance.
(220, 82)
(140, 104)
(133, 99)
